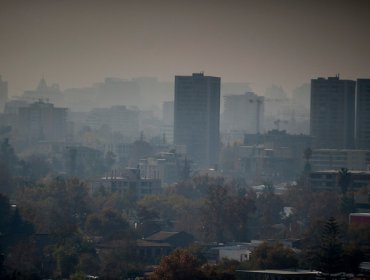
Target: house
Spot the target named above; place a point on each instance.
(152, 248)
(152, 252)
(175, 239)
(239, 252)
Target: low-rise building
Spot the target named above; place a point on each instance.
(328, 179)
(239, 252)
(359, 218)
(166, 166)
(325, 159)
(152, 248)
(129, 183)
(273, 156)
(265, 164)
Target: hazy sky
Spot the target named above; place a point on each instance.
(78, 42)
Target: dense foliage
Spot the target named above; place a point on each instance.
(54, 227)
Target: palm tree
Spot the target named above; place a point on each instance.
(344, 179)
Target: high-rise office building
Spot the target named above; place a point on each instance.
(363, 114)
(3, 93)
(332, 113)
(197, 117)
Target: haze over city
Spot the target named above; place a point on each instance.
(185, 140)
(77, 43)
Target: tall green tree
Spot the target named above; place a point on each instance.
(330, 253)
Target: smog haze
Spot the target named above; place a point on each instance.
(77, 43)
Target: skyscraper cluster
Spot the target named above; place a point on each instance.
(340, 113)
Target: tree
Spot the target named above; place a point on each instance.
(275, 256)
(344, 180)
(66, 258)
(180, 265)
(226, 214)
(223, 270)
(148, 221)
(37, 167)
(109, 223)
(347, 204)
(12, 226)
(57, 206)
(175, 212)
(5, 214)
(9, 165)
(269, 208)
(356, 247)
(119, 261)
(309, 206)
(330, 253)
(89, 263)
(24, 259)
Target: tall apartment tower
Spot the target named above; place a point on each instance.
(332, 119)
(42, 121)
(197, 117)
(3, 94)
(363, 114)
(243, 113)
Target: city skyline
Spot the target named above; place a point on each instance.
(76, 43)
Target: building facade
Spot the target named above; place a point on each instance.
(42, 121)
(197, 117)
(118, 118)
(44, 92)
(167, 119)
(328, 180)
(363, 114)
(324, 159)
(130, 184)
(332, 118)
(243, 113)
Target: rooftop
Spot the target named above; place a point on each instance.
(282, 272)
(162, 235)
